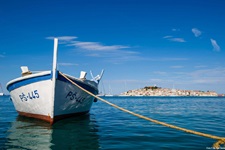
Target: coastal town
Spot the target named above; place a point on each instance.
(158, 91)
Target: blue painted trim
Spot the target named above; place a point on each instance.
(24, 82)
(85, 86)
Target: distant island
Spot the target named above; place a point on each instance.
(158, 91)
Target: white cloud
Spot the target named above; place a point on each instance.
(96, 46)
(167, 37)
(176, 67)
(201, 79)
(174, 29)
(181, 40)
(111, 53)
(214, 72)
(94, 55)
(200, 66)
(214, 75)
(122, 56)
(62, 38)
(174, 39)
(67, 64)
(216, 47)
(160, 73)
(210, 75)
(169, 59)
(90, 46)
(196, 32)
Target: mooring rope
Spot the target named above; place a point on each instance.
(216, 145)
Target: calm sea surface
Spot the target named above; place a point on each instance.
(109, 128)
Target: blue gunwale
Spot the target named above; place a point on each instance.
(84, 85)
(22, 82)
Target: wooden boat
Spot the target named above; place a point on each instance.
(49, 95)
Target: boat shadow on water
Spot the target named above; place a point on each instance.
(72, 133)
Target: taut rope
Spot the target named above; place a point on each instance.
(216, 145)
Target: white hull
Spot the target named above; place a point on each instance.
(49, 95)
(69, 99)
(1, 94)
(32, 96)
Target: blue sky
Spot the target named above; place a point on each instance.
(139, 43)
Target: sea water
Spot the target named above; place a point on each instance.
(107, 128)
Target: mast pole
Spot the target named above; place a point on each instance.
(54, 66)
(54, 76)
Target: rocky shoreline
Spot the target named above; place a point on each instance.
(158, 91)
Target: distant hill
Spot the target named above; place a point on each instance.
(158, 91)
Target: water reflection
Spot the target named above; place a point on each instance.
(73, 133)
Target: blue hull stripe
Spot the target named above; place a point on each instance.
(85, 86)
(24, 82)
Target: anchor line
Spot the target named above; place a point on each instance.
(216, 145)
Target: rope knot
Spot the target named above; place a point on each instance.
(218, 143)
